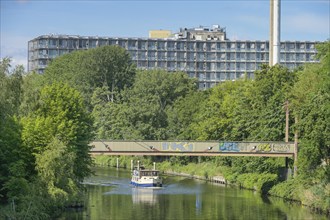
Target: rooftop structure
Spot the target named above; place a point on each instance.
(203, 53)
(159, 34)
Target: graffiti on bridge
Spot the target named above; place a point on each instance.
(255, 147)
(177, 146)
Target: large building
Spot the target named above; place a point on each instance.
(203, 53)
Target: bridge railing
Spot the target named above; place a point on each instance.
(193, 148)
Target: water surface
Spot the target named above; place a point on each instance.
(110, 196)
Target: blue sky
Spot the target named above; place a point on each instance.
(23, 20)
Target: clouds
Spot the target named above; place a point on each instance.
(307, 23)
(14, 47)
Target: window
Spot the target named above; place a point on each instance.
(142, 45)
(180, 55)
(132, 45)
(210, 56)
(83, 43)
(199, 46)
(222, 76)
(152, 55)
(263, 57)
(218, 76)
(103, 42)
(191, 46)
(151, 65)
(232, 56)
(122, 43)
(222, 66)
(208, 66)
(223, 56)
(207, 76)
(53, 53)
(180, 46)
(162, 65)
(218, 46)
(201, 76)
(181, 65)
(208, 46)
(171, 56)
(213, 46)
(191, 74)
(52, 43)
(42, 43)
(61, 52)
(170, 45)
(200, 56)
(161, 45)
(151, 45)
(262, 46)
(142, 55)
(171, 66)
(200, 66)
(190, 56)
(191, 66)
(161, 56)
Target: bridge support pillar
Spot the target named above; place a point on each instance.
(132, 165)
(286, 162)
(117, 162)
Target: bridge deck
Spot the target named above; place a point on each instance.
(193, 148)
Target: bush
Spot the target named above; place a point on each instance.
(318, 197)
(259, 182)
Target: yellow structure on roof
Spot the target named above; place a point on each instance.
(159, 34)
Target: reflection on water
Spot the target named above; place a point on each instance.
(144, 195)
(110, 196)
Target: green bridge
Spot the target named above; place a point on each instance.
(193, 148)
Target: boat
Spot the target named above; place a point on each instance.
(142, 177)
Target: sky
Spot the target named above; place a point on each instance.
(23, 20)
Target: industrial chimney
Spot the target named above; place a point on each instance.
(275, 32)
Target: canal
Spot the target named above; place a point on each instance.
(110, 196)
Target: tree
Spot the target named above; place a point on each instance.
(141, 112)
(62, 115)
(55, 166)
(270, 91)
(222, 116)
(107, 66)
(12, 168)
(182, 115)
(311, 105)
(153, 92)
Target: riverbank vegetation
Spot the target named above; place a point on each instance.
(48, 120)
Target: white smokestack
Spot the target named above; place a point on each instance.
(271, 28)
(275, 32)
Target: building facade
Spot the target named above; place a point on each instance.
(203, 53)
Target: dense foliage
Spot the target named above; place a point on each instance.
(46, 122)
(44, 151)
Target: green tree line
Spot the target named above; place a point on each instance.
(48, 120)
